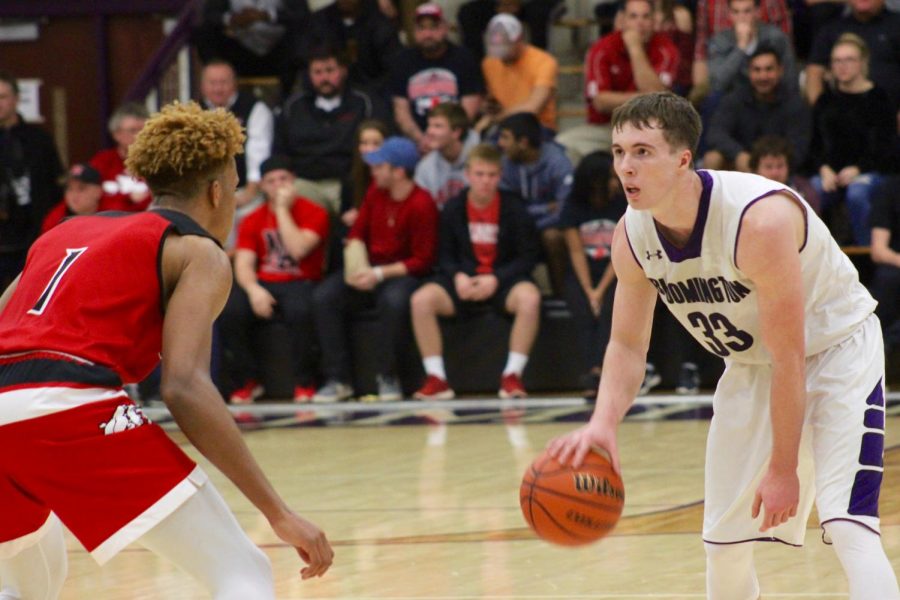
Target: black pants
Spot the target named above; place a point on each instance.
(334, 301)
(593, 332)
(886, 289)
(238, 324)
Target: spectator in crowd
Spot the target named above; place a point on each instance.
(885, 221)
(431, 72)
(121, 191)
(730, 49)
(588, 221)
(219, 89)
(677, 22)
(488, 248)
(519, 77)
(619, 66)
(714, 16)
(768, 106)
(370, 137)
(82, 196)
(442, 170)
(772, 156)
(541, 174)
(317, 127)
(854, 127)
(256, 37)
(279, 257)
(398, 225)
(538, 15)
(365, 38)
(879, 28)
(29, 171)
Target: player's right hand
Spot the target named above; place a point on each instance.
(310, 542)
(572, 447)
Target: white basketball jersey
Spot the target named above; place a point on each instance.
(715, 301)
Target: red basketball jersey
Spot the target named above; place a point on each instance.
(92, 288)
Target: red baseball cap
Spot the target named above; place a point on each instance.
(430, 10)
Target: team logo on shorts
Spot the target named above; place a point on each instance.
(127, 416)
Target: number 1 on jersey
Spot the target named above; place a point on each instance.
(72, 255)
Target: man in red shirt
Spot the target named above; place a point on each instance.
(279, 257)
(121, 191)
(398, 224)
(488, 248)
(618, 67)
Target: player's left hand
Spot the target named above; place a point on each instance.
(778, 495)
(309, 540)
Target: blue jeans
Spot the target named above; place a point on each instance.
(858, 196)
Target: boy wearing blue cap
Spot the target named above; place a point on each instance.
(398, 224)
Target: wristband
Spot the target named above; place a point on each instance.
(379, 274)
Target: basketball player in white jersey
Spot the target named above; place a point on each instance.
(750, 270)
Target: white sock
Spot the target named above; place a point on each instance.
(730, 574)
(38, 571)
(434, 365)
(515, 363)
(868, 570)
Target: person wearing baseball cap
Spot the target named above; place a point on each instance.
(432, 72)
(519, 77)
(82, 196)
(398, 224)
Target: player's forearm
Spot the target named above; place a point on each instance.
(787, 405)
(201, 414)
(623, 371)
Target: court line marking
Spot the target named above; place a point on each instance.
(519, 596)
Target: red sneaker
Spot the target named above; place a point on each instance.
(434, 388)
(511, 387)
(247, 394)
(303, 394)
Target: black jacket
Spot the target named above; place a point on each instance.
(28, 161)
(518, 247)
(319, 143)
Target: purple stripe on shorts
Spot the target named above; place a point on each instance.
(871, 452)
(876, 398)
(874, 419)
(864, 497)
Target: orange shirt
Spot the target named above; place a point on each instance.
(511, 84)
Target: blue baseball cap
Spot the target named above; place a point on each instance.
(396, 151)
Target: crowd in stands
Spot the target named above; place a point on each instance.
(431, 181)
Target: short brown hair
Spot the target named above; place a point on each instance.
(455, 115)
(678, 120)
(488, 153)
(770, 145)
(182, 147)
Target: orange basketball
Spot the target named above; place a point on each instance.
(571, 507)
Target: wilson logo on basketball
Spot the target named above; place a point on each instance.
(586, 521)
(590, 484)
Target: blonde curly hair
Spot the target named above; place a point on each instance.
(182, 147)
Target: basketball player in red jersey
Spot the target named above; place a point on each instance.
(100, 300)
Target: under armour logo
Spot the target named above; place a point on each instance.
(650, 255)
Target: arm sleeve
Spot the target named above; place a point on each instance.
(721, 127)
(725, 61)
(424, 238)
(527, 246)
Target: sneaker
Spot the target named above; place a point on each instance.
(247, 394)
(511, 387)
(303, 394)
(333, 391)
(651, 380)
(688, 379)
(434, 388)
(389, 388)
